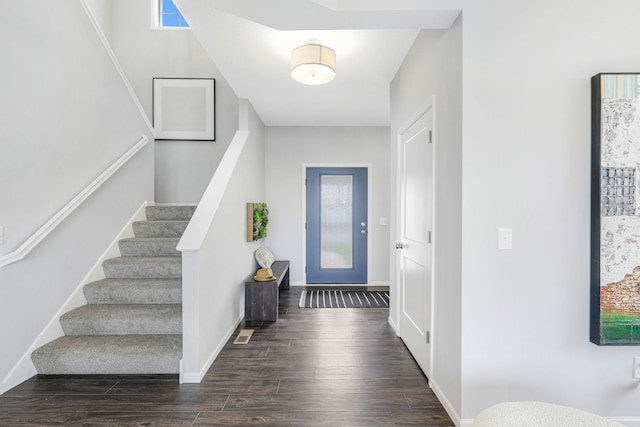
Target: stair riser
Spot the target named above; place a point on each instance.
(149, 248)
(109, 355)
(93, 366)
(136, 292)
(122, 327)
(162, 213)
(145, 296)
(159, 229)
(143, 270)
(163, 323)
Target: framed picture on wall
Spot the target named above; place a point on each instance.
(184, 109)
(615, 214)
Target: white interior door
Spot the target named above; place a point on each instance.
(415, 246)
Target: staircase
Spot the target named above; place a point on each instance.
(132, 323)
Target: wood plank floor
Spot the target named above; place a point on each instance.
(314, 367)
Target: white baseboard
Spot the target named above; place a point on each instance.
(626, 421)
(24, 369)
(196, 377)
(174, 204)
(393, 325)
(378, 284)
(453, 414)
(118, 67)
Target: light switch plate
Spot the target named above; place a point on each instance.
(505, 238)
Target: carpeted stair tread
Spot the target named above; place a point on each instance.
(110, 354)
(120, 319)
(159, 213)
(134, 291)
(149, 246)
(168, 228)
(148, 267)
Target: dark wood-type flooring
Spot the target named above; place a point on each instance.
(314, 367)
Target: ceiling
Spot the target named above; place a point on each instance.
(251, 41)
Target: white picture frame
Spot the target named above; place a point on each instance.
(184, 109)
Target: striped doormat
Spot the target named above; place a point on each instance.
(344, 299)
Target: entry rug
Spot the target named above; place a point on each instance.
(344, 299)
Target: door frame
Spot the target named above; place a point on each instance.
(430, 104)
(370, 230)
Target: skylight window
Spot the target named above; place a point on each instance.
(169, 15)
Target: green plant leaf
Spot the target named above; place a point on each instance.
(260, 221)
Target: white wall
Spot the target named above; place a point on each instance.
(215, 266)
(287, 149)
(525, 312)
(66, 117)
(183, 168)
(433, 67)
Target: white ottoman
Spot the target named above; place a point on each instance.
(538, 414)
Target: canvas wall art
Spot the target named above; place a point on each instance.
(615, 216)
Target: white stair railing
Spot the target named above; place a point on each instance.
(41, 233)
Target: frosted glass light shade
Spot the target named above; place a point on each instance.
(313, 64)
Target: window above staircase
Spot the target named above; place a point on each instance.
(166, 15)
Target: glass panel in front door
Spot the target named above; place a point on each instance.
(336, 221)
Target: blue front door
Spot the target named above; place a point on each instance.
(336, 225)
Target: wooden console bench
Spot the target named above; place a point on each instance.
(261, 298)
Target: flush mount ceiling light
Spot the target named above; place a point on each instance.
(313, 64)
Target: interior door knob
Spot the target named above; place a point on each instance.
(399, 246)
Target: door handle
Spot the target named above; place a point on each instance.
(399, 246)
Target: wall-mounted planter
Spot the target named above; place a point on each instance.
(257, 220)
